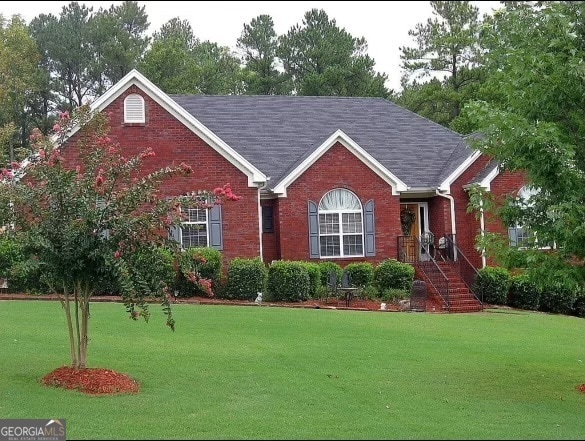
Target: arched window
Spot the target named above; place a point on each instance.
(134, 109)
(341, 224)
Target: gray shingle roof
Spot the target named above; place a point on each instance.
(275, 133)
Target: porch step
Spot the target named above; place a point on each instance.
(459, 297)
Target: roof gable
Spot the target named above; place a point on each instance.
(277, 133)
(135, 78)
(396, 184)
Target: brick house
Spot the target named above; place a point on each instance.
(334, 178)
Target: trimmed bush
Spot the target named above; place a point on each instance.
(23, 273)
(288, 281)
(524, 293)
(557, 298)
(492, 285)
(393, 295)
(205, 261)
(151, 269)
(314, 272)
(578, 308)
(326, 268)
(393, 274)
(361, 274)
(245, 278)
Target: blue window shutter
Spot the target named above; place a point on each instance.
(314, 231)
(369, 229)
(175, 233)
(215, 228)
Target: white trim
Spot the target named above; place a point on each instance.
(135, 78)
(339, 136)
(487, 181)
(446, 184)
(188, 223)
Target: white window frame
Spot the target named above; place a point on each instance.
(524, 195)
(196, 223)
(340, 212)
(140, 117)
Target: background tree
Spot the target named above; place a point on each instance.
(169, 62)
(178, 62)
(535, 123)
(258, 45)
(323, 59)
(19, 70)
(118, 40)
(65, 44)
(83, 221)
(448, 44)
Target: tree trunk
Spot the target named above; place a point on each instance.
(66, 304)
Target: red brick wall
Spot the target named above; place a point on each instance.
(173, 143)
(270, 242)
(503, 184)
(468, 227)
(337, 168)
(439, 216)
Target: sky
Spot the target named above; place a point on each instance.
(384, 24)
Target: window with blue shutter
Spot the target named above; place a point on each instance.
(369, 229)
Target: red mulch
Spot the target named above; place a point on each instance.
(93, 381)
(581, 388)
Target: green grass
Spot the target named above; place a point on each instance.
(233, 372)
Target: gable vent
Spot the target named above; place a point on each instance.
(134, 109)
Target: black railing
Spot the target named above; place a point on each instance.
(467, 271)
(410, 250)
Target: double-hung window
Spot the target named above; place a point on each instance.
(194, 231)
(341, 225)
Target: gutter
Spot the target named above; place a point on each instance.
(453, 223)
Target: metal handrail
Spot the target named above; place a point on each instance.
(430, 268)
(464, 274)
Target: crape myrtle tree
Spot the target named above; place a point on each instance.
(83, 219)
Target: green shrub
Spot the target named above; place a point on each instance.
(370, 293)
(326, 269)
(152, 269)
(314, 271)
(361, 274)
(492, 285)
(524, 293)
(245, 279)
(23, 272)
(205, 261)
(393, 295)
(393, 274)
(578, 308)
(558, 298)
(288, 281)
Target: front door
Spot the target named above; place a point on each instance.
(414, 221)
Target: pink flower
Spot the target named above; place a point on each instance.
(56, 128)
(117, 254)
(64, 116)
(15, 165)
(99, 180)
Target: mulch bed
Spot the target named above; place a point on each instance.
(93, 381)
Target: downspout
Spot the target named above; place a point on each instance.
(261, 187)
(453, 225)
(482, 228)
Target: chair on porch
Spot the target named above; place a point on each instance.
(427, 241)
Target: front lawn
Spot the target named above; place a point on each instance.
(235, 372)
